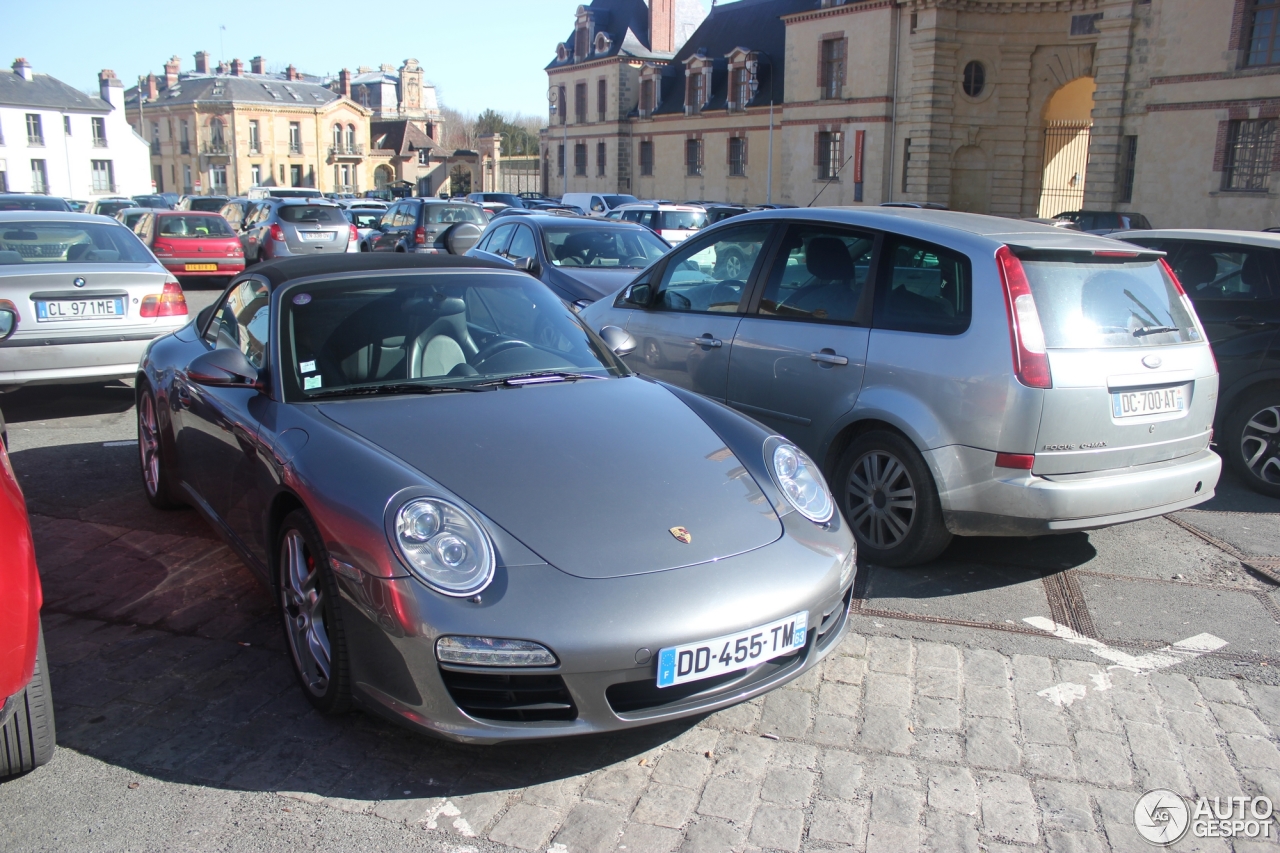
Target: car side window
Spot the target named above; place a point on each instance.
(711, 275)
(1210, 271)
(597, 204)
(923, 288)
(522, 244)
(820, 273)
(243, 322)
(501, 236)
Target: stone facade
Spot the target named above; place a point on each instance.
(1013, 108)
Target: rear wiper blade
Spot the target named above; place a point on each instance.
(392, 388)
(1153, 330)
(538, 377)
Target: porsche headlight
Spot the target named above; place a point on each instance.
(798, 479)
(445, 546)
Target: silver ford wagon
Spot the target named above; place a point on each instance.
(952, 373)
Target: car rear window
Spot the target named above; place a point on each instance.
(437, 213)
(70, 242)
(682, 220)
(615, 200)
(309, 213)
(1100, 304)
(193, 226)
(212, 204)
(28, 203)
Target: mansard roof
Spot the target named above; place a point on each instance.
(755, 25)
(45, 92)
(403, 136)
(246, 88)
(625, 22)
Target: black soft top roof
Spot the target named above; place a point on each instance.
(283, 271)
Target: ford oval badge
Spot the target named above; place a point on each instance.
(78, 282)
(1152, 361)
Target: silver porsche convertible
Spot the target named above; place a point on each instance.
(480, 535)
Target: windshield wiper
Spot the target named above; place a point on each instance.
(1153, 330)
(538, 377)
(392, 388)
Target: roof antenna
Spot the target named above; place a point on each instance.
(834, 175)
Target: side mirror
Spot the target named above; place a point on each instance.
(529, 265)
(636, 294)
(619, 340)
(224, 368)
(8, 321)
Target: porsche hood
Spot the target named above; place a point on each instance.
(601, 478)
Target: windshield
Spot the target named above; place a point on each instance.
(576, 246)
(70, 242)
(111, 208)
(309, 213)
(151, 201)
(193, 226)
(32, 203)
(615, 200)
(438, 213)
(444, 329)
(1106, 305)
(682, 220)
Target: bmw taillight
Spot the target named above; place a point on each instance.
(168, 303)
(1030, 361)
(420, 236)
(276, 232)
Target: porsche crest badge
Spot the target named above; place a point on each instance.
(681, 534)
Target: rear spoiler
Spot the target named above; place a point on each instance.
(1082, 255)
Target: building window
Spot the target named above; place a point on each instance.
(184, 143)
(218, 179)
(351, 140)
(602, 99)
(740, 88)
(255, 175)
(66, 125)
(295, 175)
(35, 131)
(647, 105)
(832, 70)
(560, 161)
(1128, 160)
(1263, 17)
(187, 189)
(737, 156)
(39, 177)
(217, 141)
(104, 177)
(580, 103)
(562, 99)
(255, 142)
(580, 158)
(581, 43)
(4, 178)
(157, 177)
(99, 126)
(829, 153)
(337, 138)
(423, 157)
(646, 158)
(601, 158)
(915, 21)
(1247, 165)
(975, 79)
(295, 138)
(693, 157)
(906, 162)
(695, 92)
(282, 174)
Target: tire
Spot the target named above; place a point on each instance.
(311, 615)
(28, 737)
(154, 453)
(1252, 439)
(899, 531)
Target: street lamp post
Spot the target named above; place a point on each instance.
(753, 68)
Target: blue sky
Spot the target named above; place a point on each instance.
(480, 54)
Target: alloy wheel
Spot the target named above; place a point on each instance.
(149, 443)
(1260, 445)
(303, 602)
(881, 499)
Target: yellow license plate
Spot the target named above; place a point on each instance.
(201, 267)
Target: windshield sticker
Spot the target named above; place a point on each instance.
(302, 299)
(307, 367)
(310, 383)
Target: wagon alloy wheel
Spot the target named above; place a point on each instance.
(882, 499)
(304, 613)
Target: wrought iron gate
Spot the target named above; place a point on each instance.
(1066, 157)
(521, 174)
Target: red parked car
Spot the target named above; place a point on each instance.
(192, 244)
(26, 717)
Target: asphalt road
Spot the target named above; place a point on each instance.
(1136, 588)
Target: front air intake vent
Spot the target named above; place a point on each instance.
(510, 697)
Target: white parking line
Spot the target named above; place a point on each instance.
(1180, 652)
(128, 443)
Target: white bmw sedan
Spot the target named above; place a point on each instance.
(80, 298)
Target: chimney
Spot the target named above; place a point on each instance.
(171, 69)
(257, 65)
(222, 68)
(23, 69)
(237, 68)
(153, 87)
(344, 83)
(291, 73)
(202, 62)
(110, 88)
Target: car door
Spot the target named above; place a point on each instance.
(685, 329)
(218, 440)
(250, 235)
(384, 238)
(799, 354)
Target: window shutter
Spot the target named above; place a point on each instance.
(822, 54)
(817, 148)
(844, 60)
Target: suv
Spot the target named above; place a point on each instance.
(597, 204)
(672, 222)
(1105, 221)
(951, 373)
(290, 227)
(1233, 279)
(429, 226)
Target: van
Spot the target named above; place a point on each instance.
(597, 204)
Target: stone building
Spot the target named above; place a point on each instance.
(1011, 107)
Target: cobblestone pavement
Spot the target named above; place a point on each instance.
(922, 732)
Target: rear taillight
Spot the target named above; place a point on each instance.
(235, 250)
(276, 233)
(169, 303)
(161, 248)
(354, 236)
(1030, 362)
(420, 236)
(1017, 461)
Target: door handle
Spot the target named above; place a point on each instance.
(1247, 323)
(708, 341)
(828, 357)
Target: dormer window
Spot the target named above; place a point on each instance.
(602, 43)
(562, 52)
(697, 90)
(581, 42)
(743, 68)
(647, 99)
